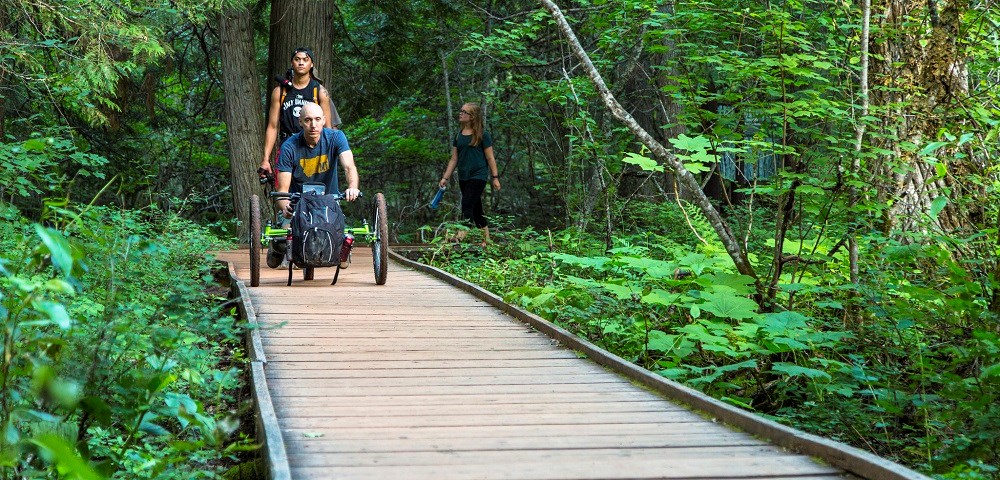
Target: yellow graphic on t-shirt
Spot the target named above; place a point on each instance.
(314, 165)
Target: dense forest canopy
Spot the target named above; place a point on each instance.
(796, 203)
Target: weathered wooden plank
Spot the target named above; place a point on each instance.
(387, 327)
(421, 357)
(468, 408)
(459, 369)
(333, 352)
(331, 420)
(417, 384)
(456, 361)
(541, 400)
(293, 335)
(377, 391)
(560, 456)
(334, 443)
(523, 467)
(472, 432)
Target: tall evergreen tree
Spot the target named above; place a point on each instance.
(242, 109)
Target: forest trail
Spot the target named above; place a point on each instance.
(418, 379)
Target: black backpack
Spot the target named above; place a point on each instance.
(317, 231)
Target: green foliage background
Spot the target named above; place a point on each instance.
(111, 137)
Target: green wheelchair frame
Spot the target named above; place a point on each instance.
(376, 234)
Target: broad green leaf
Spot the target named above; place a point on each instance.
(740, 284)
(810, 190)
(941, 169)
(58, 248)
(58, 285)
(732, 367)
(696, 167)
(65, 457)
(791, 343)
(660, 341)
(937, 205)
(931, 148)
(35, 145)
(660, 297)
(620, 291)
(691, 144)
(592, 262)
(66, 392)
(645, 163)
(793, 370)
(542, 299)
(651, 266)
(55, 312)
(729, 305)
(782, 323)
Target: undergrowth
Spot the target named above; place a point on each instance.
(119, 356)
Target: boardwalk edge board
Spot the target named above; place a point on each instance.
(267, 428)
(237, 289)
(854, 460)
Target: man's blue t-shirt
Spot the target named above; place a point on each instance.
(317, 164)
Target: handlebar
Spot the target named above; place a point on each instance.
(295, 196)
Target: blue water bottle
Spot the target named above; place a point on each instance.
(437, 198)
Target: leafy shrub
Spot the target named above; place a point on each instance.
(111, 349)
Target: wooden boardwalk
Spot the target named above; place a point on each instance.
(417, 379)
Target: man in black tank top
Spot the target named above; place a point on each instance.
(292, 100)
(300, 86)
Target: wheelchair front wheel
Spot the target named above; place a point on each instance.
(380, 245)
(254, 240)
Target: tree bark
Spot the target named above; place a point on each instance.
(684, 177)
(242, 109)
(447, 96)
(859, 132)
(931, 63)
(303, 23)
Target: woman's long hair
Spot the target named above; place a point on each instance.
(475, 122)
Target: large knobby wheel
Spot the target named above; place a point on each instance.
(380, 246)
(254, 241)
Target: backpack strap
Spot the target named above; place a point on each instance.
(283, 85)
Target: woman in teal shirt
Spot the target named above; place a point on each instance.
(472, 153)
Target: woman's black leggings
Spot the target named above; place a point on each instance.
(472, 201)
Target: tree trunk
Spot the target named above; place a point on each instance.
(303, 23)
(932, 64)
(733, 246)
(242, 109)
(447, 96)
(859, 133)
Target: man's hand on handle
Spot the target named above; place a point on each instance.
(286, 207)
(351, 194)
